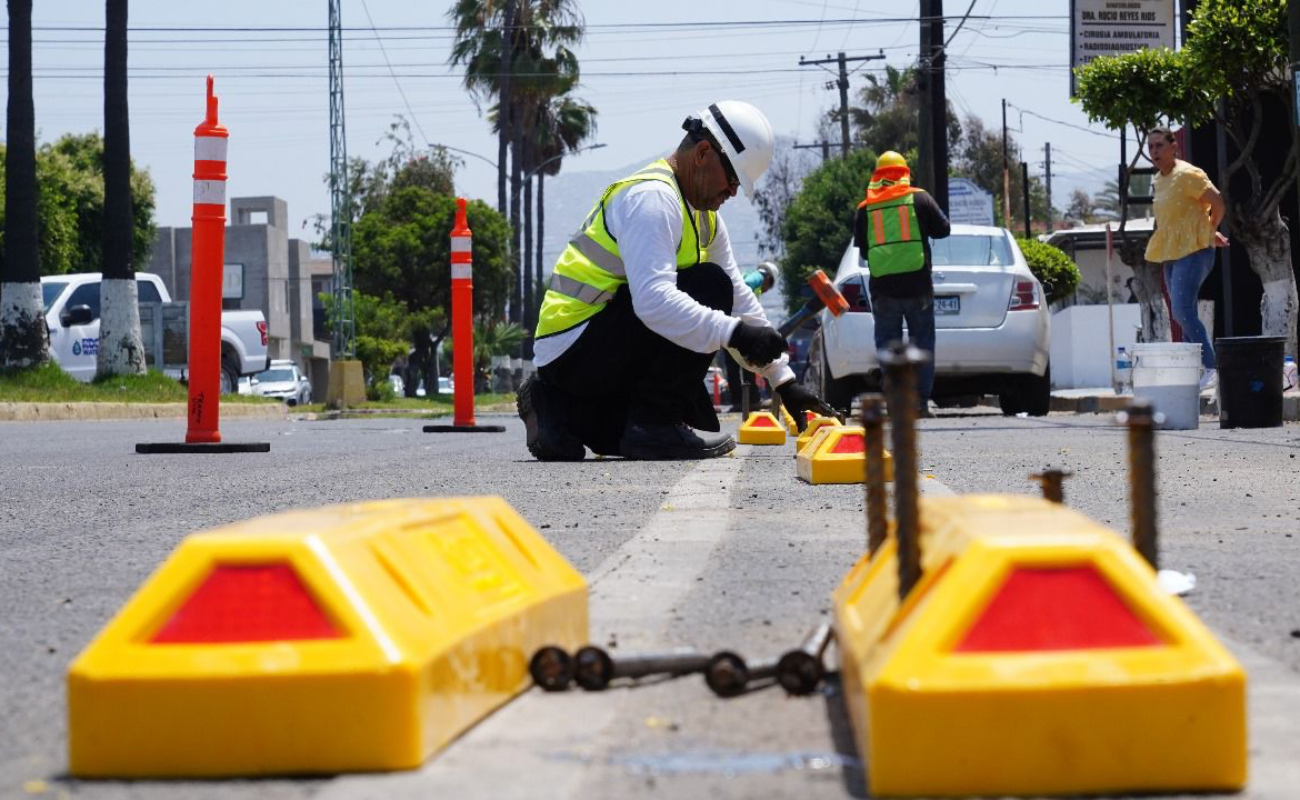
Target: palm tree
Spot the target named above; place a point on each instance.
(505, 48)
(121, 352)
(24, 340)
(563, 124)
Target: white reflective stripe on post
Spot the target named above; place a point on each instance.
(461, 244)
(210, 148)
(462, 271)
(210, 192)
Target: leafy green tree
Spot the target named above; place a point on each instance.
(1052, 267)
(491, 338)
(978, 157)
(401, 250)
(819, 221)
(887, 116)
(1237, 54)
(24, 340)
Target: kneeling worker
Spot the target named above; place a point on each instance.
(642, 298)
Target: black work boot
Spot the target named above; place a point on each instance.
(660, 441)
(547, 438)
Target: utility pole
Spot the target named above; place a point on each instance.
(933, 121)
(823, 145)
(1024, 185)
(1006, 171)
(503, 104)
(1047, 171)
(843, 83)
(340, 197)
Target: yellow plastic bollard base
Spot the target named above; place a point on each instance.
(761, 428)
(814, 424)
(1036, 656)
(349, 638)
(347, 386)
(837, 454)
(791, 426)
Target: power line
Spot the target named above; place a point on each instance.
(392, 72)
(1062, 122)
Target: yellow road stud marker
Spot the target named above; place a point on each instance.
(791, 426)
(347, 638)
(1035, 655)
(837, 454)
(761, 428)
(814, 424)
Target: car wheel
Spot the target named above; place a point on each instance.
(229, 379)
(1036, 393)
(1009, 398)
(836, 392)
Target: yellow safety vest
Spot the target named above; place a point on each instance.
(590, 269)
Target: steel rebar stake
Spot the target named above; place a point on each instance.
(901, 362)
(1052, 482)
(728, 674)
(801, 671)
(595, 669)
(551, 668)
(1141, 421)
(873, 426)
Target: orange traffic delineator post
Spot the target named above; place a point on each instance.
(838, 454)
(347, 638)
(761, 427)
(462, 330)
(1006, 645)
(206, 265)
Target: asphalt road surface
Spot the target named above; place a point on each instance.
(733, 553)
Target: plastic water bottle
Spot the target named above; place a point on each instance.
(1290, 380)
(1123, 370)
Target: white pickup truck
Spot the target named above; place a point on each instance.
(72, 315)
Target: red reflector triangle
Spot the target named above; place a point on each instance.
(849, 443)
(1055, 609)
(762, 422)
(254, 603)
(809, 416)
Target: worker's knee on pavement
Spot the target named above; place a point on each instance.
(708, 284)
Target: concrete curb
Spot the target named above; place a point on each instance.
(1101, 404)
(52, 412)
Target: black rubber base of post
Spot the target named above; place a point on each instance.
(464, 429)
(214, 447)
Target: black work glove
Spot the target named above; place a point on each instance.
(758, 344)
(798, 400)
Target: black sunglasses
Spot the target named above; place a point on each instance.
(732, 179)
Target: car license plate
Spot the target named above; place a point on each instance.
(950, 304)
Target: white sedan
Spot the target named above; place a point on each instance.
(992, 326)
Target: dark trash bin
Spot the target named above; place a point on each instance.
(1250, 381)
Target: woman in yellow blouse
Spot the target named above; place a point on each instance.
(1188, 212)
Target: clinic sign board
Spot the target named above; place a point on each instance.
(968, 204)
(1115, 27)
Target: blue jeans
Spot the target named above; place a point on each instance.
(890, 312)
(1184, 278)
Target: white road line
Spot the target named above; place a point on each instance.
(632, 595)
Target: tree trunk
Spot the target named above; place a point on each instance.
(529, 308)
(1268, 244)
(1148, 278)
(541, 220)
(24, 340)
(121, 351)
(516, 184)
(503, 104)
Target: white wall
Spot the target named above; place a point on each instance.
(1081, 353)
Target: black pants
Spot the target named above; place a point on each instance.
(619, 370)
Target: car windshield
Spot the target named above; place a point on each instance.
(971, 251)
(273, 375)
(52, 290)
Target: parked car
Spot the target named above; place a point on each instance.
(992, 326)
(72, 316)
(285, 381)
(399, 385)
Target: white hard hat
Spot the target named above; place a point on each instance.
(745, 137)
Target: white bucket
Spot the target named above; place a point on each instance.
(1169, 375)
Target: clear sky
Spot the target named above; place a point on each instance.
(645, 67)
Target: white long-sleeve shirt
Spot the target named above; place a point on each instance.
(646, 220)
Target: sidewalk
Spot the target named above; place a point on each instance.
(1104, 400)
